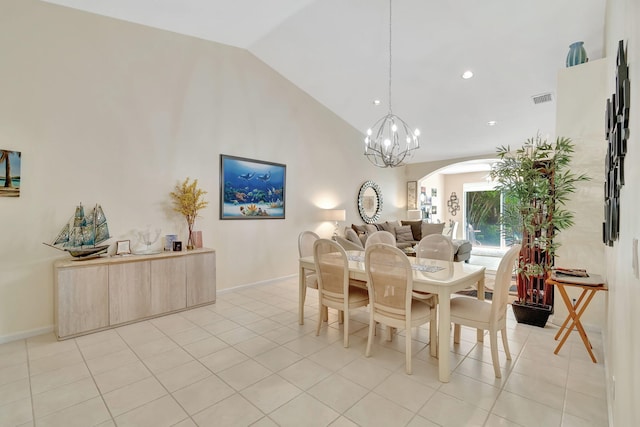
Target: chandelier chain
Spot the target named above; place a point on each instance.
(390, 57)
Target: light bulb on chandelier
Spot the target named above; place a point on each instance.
(390, 142)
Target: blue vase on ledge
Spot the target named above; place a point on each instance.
(577, 55)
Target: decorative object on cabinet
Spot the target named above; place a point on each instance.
(123, 247)
(251, 189)
(148, 238)
(177, 246)
(10, 180)
(168, 241)
(536, 181)
(188, 200)
(370, 202)
(453, 204)
(390, 142)
(196, 238)
(82, 234)
(577, 54)
(412, 195)
(617, 134)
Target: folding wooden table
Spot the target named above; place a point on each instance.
(589, 285)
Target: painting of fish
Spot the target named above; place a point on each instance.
(251, 189)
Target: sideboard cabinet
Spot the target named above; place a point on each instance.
(100, 293)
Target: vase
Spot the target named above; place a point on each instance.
(577, 55)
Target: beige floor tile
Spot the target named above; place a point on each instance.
(16, 413)
(305, 373)
(13, 373)
(374, 410)
(63, 397)
(47, 345)
(264, 422)
(244, 374)
(138, 333)
(167, 360)
(335, 357)
(304, 410)
(364, 372)
(13, 356)
(470, 390)
(189, 336)
(237, 335)
(223, 359)
(157, 413)
(201, 316)
(337, 392)
(122, 376)
(448, 411)
(172, 323)
(306, 345)
(278, 358)
(270, 393)
(533, 388)
(56, 361)
(222, 326)
(205, 347)
(234, 410)
(59, 377)
(112, 361)
(88, 413)
(181, 376)
(154, 347)
(133, 395)
(402, 389)
(14, 391)
(202, 394)
(586, 406)
(525, 412)
(255, 346)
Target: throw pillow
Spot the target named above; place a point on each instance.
(359, 229)
(389, 226)
(352, 236)
(432, 228)
(404, 234)
(415, 229)
(370, 228)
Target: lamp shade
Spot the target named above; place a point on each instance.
(414, 214)
(335, 214)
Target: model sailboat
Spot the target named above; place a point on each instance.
(82, 234)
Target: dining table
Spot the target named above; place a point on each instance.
(435, 276)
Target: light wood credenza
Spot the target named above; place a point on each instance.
(101, 293)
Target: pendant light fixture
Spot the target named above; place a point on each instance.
(390, 142)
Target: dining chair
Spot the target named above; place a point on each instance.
(491, 316)
(390, 287)
(334, 285)
(306, 239)
(433, 246)
(380, 237)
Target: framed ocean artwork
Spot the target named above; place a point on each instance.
(251, 189)
(10, 173)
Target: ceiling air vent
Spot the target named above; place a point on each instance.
(543, 97)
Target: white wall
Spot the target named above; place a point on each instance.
(623, 334)
(581, 97)
(110, 112)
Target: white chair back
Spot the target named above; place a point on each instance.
(435, 246)
(504, 275)
(380, 237)
(306, 239)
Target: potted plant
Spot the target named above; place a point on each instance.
(188, 200)
(536, 181)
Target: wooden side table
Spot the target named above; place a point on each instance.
(589, 285)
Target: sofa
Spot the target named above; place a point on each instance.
(407, 234)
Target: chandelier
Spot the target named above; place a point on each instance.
(390, 142)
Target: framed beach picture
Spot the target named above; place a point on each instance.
(10, 173)
(251, 189)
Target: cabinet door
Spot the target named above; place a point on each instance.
(129, 292)
(201, 278)
(82, 301)
(168, 285)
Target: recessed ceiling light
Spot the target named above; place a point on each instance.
(492, 123)
(467, 74)
(376, 102)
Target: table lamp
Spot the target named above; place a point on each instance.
(335, 215)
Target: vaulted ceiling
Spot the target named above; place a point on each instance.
(338, 52)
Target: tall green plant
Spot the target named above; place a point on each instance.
(536, 182)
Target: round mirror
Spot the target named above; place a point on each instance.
(370, 202)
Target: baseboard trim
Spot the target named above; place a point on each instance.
(254, 284)
(25, 334)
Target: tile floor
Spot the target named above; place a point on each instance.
(246, 361)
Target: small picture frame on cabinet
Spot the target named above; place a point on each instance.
(123, 247)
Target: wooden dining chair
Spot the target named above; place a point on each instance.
(390, 284)
(380, 237)
(491, 316)
(306, 239)
(334, 286)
